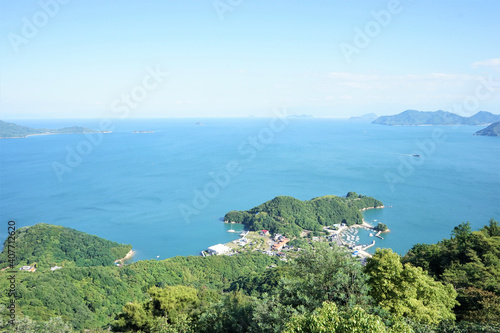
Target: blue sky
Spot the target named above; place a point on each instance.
(235, 58)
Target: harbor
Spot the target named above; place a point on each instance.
(356, 239)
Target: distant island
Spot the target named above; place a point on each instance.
(299, 116)
(11, 130)
(492, 130)
(422, 118)
(289, 216)
(368, 116)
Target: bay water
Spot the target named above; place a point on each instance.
(166, 192)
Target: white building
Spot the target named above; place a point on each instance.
(218, 249)
(27, 268)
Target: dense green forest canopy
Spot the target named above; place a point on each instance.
(470, 261)
(91, 297)
(289, 216)
(50, 245)
(451, 286)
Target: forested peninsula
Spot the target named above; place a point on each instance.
(451, 286)
(491, 130)
(11, 130)
(289, 216)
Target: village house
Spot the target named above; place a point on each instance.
(27, 268)
(279, 245)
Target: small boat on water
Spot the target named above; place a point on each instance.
(371, 235)
(415, 155)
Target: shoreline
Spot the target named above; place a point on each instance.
(366, 224)
(378, 207)
(28, 135)
(128, 256)
(51, 133)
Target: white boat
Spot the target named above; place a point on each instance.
(371, 235)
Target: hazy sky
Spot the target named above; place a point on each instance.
(225, 58)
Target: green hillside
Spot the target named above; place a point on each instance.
(470, 261)
(50, 245)
(289, 216)
(322, 289)
(91, 297)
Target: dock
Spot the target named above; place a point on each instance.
(369, 245)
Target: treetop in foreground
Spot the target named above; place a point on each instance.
(408, 291)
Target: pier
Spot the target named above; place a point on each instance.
(368, 246)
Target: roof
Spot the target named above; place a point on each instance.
(27, 268)
(264, 230)
(219, 248)
(280, 244)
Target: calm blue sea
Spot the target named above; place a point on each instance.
(157, 191)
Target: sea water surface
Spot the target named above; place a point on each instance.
(166, 192)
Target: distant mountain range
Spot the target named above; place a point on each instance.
(416, 118)
(11, 130)
(492, 130)
(298, 116)
(368, 116)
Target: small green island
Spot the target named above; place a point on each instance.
(11, 130)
